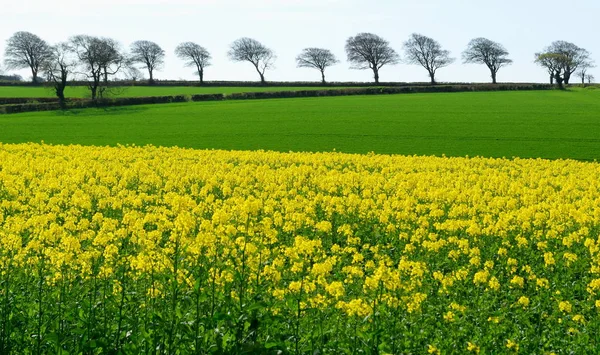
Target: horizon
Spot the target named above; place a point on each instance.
(289, 26)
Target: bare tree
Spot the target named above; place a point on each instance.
(26, 50)
(250, 50)
(428, 53)
(149, 54)
(583, 69)
(115, 61)
(485, 51)
(590, 78)
(194, 55)
(132, 73)
(58, 67)
(555, 64)
(572, 57)
(369, 51)
(98, 58)
(317, 58)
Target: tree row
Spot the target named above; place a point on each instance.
(99, 58)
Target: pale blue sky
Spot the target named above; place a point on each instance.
(288, 26)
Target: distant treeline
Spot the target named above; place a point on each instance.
(187, 83)
(97, 61)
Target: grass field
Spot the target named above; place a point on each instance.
(135, 91)
(129, 250)
(525, 124)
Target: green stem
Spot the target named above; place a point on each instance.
(298, 315)
(40, 307)
(121, 305)
(5, 339)
(174, 300)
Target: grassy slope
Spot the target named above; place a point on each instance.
(133, 91)
(526, 124)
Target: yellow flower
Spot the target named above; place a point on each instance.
(542, 283)
(572, 331)
(414, 303)
(433, 350)
(517, 281)
(570, 258)
(457, 307)
(356, 307)
(295, 286)
(549, 259)
(324, 226)
(473, 348)
(481, 277)
(565, 306)
(335, 289)
(523, 301)
(512, 345)
(494, 284)
(449, 316)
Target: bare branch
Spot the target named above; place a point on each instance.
(149, 54)
(194, 55)
(317, 58)
(26, 50)
(369, 51)
(490, 53)
(58, 67)
(99, 58)
(428, 53)
(250, 50)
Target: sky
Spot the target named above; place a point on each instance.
(287, 26)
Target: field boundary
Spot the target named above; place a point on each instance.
(20, 105)
(171, 83)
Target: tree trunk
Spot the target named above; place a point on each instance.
(559, 80)
(201, 73)
(34, 76)
(261, 73)
(551, 79)
(60, 93)
(60, 89)
(566, 78)
(323, 77)
(494, 78)
(151, 80)
(94, 89)
(432, 77)
(376, 75)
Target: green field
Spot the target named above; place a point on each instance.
(136, 91)
(547, 124)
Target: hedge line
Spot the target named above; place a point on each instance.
(29, 107)
(386, 90)
(254, 83)
(26, 100)
(126, 101)
(120, 101)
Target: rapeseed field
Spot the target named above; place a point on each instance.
(147, 250)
